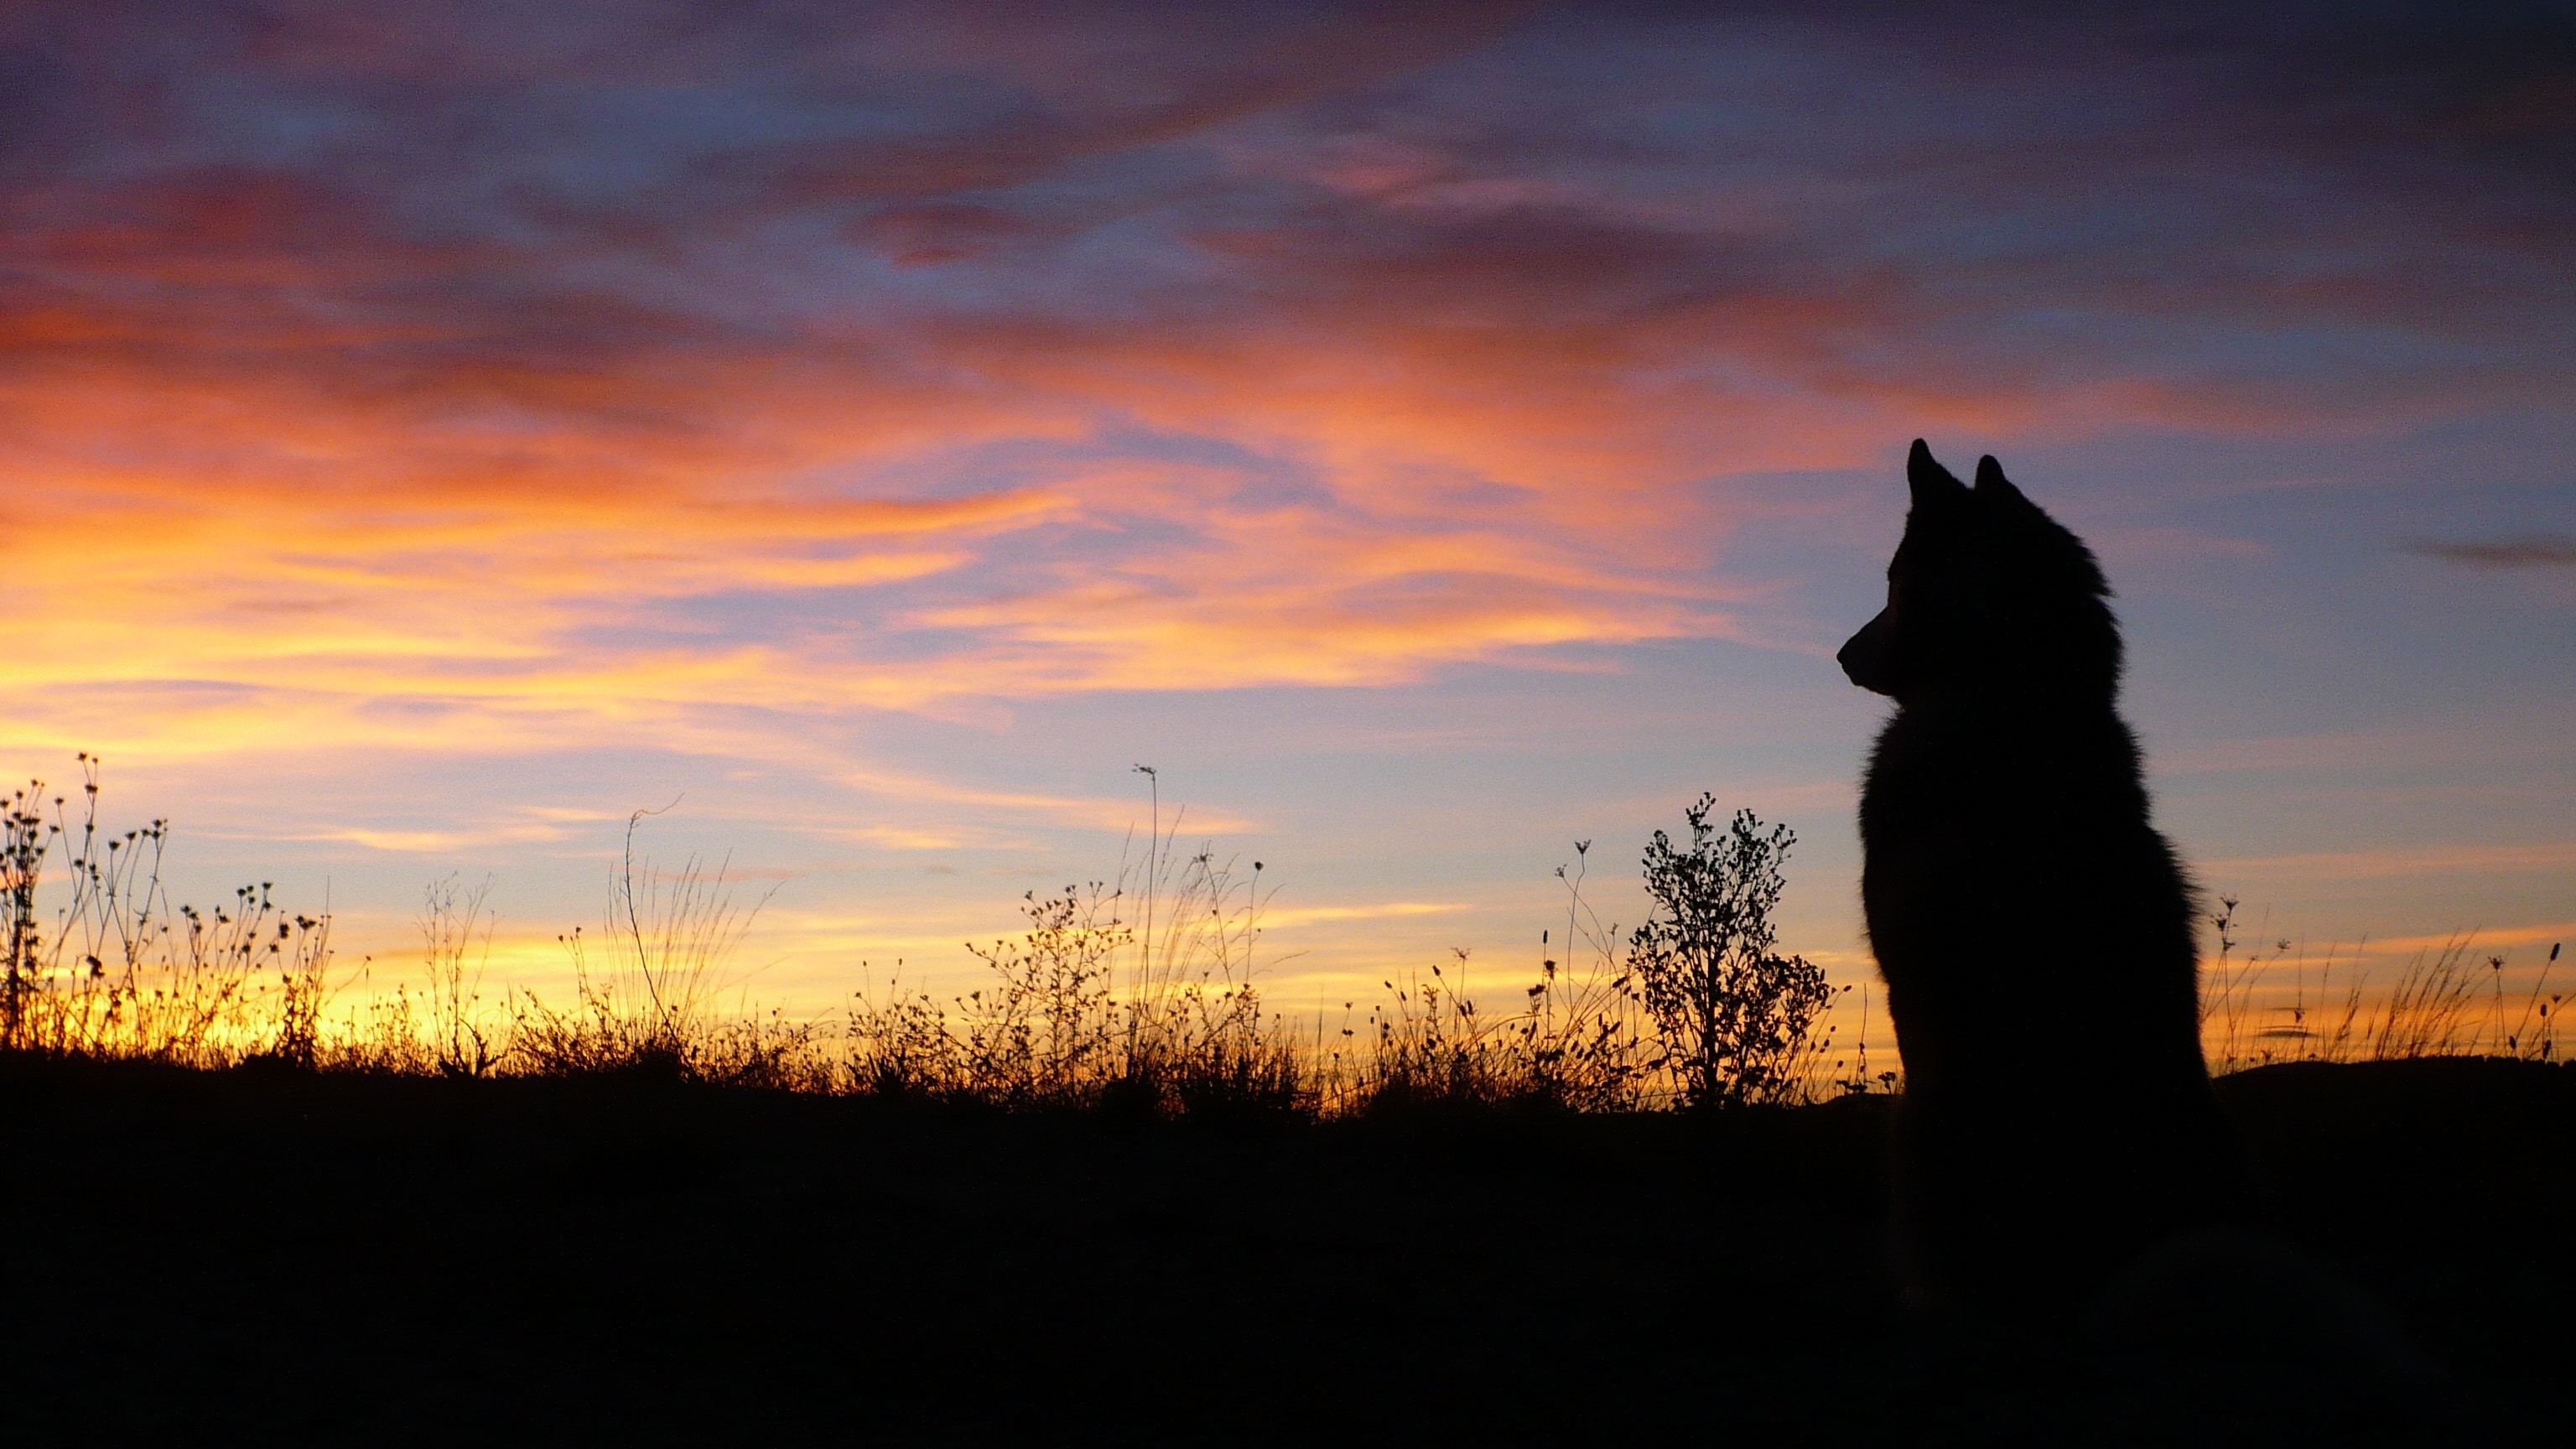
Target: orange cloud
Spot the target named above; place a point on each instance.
(244, 533)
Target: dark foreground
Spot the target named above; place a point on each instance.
(239, 1256)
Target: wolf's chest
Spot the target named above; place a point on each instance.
(1936, 783)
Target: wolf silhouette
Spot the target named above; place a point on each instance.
(2035, 932)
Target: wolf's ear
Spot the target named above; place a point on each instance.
(1992, 484)
(1931, 484)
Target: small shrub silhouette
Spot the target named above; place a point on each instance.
(1046, 1029)
(1737, 1019)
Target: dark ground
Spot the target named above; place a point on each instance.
(250, 1256)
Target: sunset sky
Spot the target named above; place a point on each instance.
(1428, 436)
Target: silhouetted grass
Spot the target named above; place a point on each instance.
(2261, 1008)
(1138, 994)
(120, 971)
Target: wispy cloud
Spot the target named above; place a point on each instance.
(2392, 862)
(440, 842)
(2488, 939)
(1280, 918)
(2527, 551)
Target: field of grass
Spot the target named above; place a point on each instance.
(1109, 1192)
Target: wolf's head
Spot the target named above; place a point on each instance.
(1988, 597)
